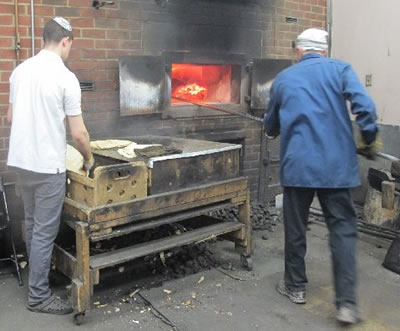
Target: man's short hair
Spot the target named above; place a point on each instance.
(54, 32)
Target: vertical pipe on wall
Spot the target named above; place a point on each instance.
(17, 39)
(33, 27)
(329, 22)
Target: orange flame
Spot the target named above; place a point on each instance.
(191, 92)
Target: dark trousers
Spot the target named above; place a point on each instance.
(43, 196)
(341, 219)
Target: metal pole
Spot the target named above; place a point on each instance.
(329, 21)
(33, 27)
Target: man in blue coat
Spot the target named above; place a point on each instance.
(308, 109)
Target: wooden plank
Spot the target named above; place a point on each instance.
(240, 198)
(177, 199)
(76, 210)
(130, 253)
(159, 221)
(100, 233)
(165, 211)
(64, 262)
(245, 246)
(82, 280)
(67, 264)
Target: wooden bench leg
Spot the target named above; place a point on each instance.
(81, 284)
(245, 246)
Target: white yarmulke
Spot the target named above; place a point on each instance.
(63, 22)
(313, 39)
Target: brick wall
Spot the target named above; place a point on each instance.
(101, 36)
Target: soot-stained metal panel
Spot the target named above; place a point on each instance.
(263, 75)
(142, 85)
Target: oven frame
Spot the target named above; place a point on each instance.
(194, 111)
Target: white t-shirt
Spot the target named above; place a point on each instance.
(42, 92)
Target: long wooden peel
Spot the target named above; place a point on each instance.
(201, 104)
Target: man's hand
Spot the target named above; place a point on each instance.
(369, 151)
(88, 164)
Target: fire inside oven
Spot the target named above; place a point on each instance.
(204, 83)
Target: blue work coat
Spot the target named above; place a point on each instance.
(308, 109)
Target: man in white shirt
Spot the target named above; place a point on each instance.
(43, 93)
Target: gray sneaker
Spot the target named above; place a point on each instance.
(298, 297)
(348, 315)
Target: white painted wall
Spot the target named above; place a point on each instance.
(366, 33)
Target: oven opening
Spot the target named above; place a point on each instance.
(206, 83)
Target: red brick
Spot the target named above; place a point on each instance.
(26, 53)
(303, 7)
(292, 5)
(25, 42)
(117, 34)
(318, 10)
(23, 32)
(6, 65)
(44, 11)
(97, 75)
(92, 12)
(93, 33)
(75, 53)
(106, 23)
(67, 12)
(83, 43)
(107, 44)
(105, 85)
(93, 53)
(80, 3)
(55, 2)
(24, 21)
(112, 13)
(7, 54)
(83, 64)
(4, 87)
(3, 110)
(4, 130)
(6, 19)
(6, 42)
(131, 44)
(6, 9)
(82, 22)
(7, 31)
(107, 64)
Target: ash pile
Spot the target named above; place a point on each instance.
(263, 217)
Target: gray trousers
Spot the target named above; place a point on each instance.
(341, 219)
(43, 196)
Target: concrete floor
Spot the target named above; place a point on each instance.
(221, 303)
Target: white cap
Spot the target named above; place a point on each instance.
(312, 39)
(63, 22)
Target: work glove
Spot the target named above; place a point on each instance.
(88, 164)
(369, 150)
